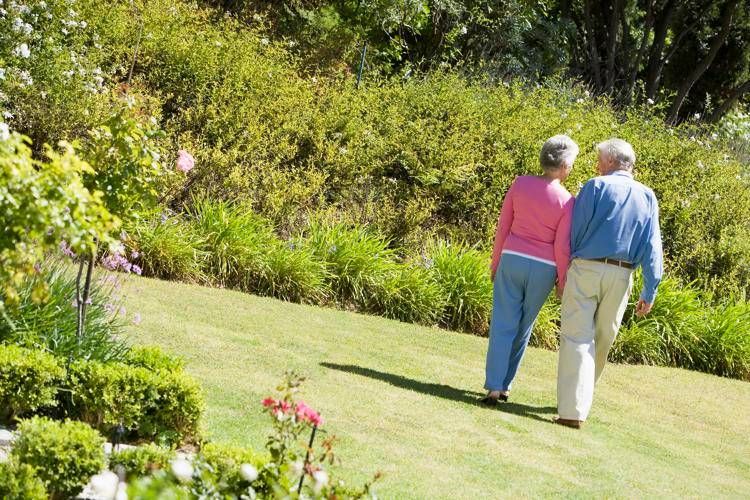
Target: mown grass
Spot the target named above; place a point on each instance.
(401, 400)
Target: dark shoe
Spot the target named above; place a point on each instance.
(487, 400)
(573, 424)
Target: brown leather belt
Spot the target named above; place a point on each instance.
(615, 262)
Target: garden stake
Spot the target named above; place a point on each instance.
(307, 458)
(361, 64)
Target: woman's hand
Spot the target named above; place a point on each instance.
(559, 291)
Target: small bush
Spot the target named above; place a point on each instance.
(167, 248)
(63, 454)
(225, 462)
(20, 482)
(141, 460)
(161, 405)
(357, 261)
(51, 324)
(463, 275)
(28, 380)
(153, 358)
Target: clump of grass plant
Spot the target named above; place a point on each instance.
(50, 324)
(357, 261)
(166, 247)
(463, 275)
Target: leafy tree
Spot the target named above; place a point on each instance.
(44, 202)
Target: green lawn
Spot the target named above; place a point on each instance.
(401, 400)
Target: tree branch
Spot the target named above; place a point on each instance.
(705, 63)
(732, 98)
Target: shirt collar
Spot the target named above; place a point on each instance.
(623, 173)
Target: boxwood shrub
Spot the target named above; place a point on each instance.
(28, 380)
(162, 405)
(64, 455)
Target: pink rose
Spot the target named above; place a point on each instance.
(185, 161)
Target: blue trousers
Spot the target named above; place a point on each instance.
(520, 289)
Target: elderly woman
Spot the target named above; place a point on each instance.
(532, 249)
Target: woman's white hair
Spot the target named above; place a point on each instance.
(619, 151)
(558, 151)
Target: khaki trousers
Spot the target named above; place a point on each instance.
(593, 304)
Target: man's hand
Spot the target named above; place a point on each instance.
(642, 308)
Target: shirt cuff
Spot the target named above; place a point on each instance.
(648, 296)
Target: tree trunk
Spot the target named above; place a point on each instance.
(648, 25)
(614, 25)
(705, 63)
(591, 38)
(79, 302)
(730, 101)
(657, 49)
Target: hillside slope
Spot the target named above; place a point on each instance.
(401, 400)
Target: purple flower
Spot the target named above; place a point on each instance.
(137, 319)
(110, 308)
(38, 268)
(135, 255)
(66, 250)
(137, 269)
(123, 311)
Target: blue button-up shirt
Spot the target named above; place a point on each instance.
(617, 217)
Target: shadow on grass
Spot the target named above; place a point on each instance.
(444, 391)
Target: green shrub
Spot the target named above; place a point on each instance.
(357, 261)
(19, 482)
(28, 380)
(63, 454)
(225, 462)
(160, 405)
(153, 358)
(463, 275)
(167, 248)
(141, 460)
(59, 89)
(51, 324)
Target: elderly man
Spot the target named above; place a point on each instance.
(615, 229)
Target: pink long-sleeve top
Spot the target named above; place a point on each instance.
(535, 223)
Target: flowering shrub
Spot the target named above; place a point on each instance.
(295, 467)
(51, 82)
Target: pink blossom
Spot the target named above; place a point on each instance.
(185, 161)
(268, 402)
(307, 414)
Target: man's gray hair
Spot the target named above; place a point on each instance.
(619, 151)
(558, 151)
